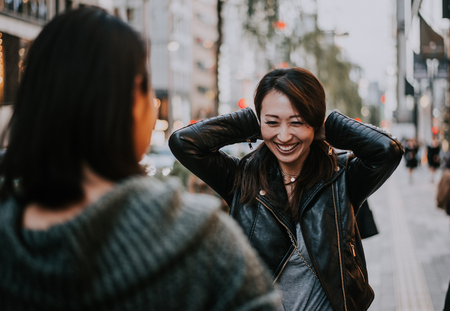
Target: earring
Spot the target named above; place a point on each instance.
(250, 144)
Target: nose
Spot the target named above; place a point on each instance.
(284, 135)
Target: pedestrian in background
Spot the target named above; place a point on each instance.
(411, 154)
(81, 226)
(443, 189)
(294, 196)
(433, 157)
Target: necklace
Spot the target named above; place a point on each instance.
(289, 180)
(301, 256)
(288, 177)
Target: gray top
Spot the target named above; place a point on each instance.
(145, 245)
(301, 290)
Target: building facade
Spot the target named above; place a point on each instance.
(183, 35)
(22, 20)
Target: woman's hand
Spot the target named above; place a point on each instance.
(320, 132)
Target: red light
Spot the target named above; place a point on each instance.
(192, 121)
(283, 65)
(383, 99)
(358, 119)
(434, 130)
(280, 25)
(242, 103)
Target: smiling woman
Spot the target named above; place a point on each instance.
(291, 106)
(294, 196)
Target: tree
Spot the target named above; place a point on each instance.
(218, 44)
(299, 42)
(335, 73)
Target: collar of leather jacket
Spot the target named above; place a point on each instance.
(277, 184)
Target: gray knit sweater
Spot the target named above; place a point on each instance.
(143, 246)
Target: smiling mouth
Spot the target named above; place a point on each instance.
(286, 148)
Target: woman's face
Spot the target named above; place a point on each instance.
(285, 132)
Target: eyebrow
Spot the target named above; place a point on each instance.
(275, 116)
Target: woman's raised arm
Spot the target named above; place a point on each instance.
(197, 147)
(377, 154)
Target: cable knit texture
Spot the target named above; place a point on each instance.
(143, 246)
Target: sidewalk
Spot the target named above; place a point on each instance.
(409, 260)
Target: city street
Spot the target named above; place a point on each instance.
(409, 260)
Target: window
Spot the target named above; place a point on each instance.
(130, 14)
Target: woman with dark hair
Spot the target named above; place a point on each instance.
(295, 196)
(433, 156)
(81, 226)
(411, 154)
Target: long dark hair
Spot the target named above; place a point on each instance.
(307, 96)
(74, 108)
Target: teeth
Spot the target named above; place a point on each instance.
(286, 148)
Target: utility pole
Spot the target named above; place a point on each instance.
(446, 14)
(401, 63)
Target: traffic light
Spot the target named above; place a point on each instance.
(280, 25)
(434, 130)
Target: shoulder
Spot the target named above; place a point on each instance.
(235, 265)
(163, 199)
(217, 251)
(343, 156)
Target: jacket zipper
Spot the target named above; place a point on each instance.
(293, 236)
(339, 248)
(285, 263)
(354, 255)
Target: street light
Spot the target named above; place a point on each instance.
(331, 35)
(335, 33)
(424, 101)
(173, 46)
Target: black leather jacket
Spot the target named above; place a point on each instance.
(327, 210)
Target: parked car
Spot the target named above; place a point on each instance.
(159, 160)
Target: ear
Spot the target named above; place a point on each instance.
(138, 103)
(143, 117)
(140, 99)
(155, 102)
(137, 87)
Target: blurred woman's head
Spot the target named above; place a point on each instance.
(83, 101)
(290, 104)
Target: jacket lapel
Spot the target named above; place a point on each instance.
(310, 193)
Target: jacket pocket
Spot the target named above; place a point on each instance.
(356, 280)
(357, 262)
